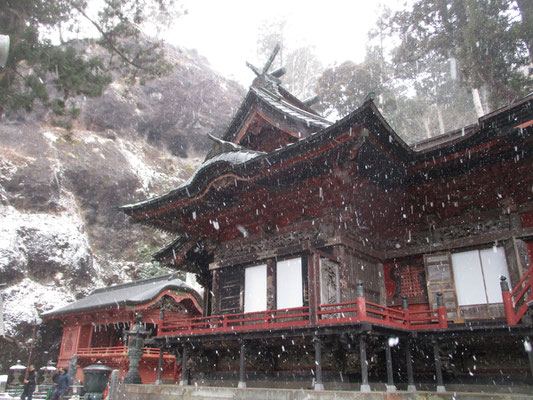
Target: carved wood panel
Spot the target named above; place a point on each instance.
(230, 290)
(329, 281)
(439, 277)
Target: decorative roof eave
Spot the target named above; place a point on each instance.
(266, 164)
(499, 123)
(176, 249)
(297, 102)
(381, 136)
(289, 110)
(240, 116)
(97, 300)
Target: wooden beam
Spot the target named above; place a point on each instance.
(459, 243)
(365, 387)
(242, 366)
(438, 367)
(411, 387)
(318, 363)
(313, 273)
(184, 371)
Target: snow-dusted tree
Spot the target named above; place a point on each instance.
(270, 34)
(303, 70)
(488, 40)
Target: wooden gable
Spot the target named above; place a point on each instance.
(263, 133)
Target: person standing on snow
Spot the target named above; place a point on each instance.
(30, 383)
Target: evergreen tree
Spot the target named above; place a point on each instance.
(270, 34)
(487, 38)
(303, 69)
(34, 60)
(301, 64)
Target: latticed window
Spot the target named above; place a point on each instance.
(410, 283)
(406, 279)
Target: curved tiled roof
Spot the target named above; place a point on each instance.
(291, 110)
(233, 157)
(230, 158)
(383, 141)
(132, 293)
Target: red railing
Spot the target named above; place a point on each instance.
(327, 314)
(364, 311)
(117, 351)
(516, 302)
(284, 318)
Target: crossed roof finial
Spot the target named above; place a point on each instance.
(264, 79)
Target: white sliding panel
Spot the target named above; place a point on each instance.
(494, 266)
(289, 290)
(468, 278)
(255, 288)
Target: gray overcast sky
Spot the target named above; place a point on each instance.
(225, 31)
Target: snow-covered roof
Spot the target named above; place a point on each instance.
(288, 109)
(132, 293)
(232, 158)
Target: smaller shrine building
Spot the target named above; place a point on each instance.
(95, 327)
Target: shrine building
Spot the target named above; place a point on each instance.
(95, 327)
(335, 255)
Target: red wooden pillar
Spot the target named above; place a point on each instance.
(441, 312)
(161, 321)
(507, 301)
(215, 299)
(361, 302)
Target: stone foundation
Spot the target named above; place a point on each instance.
(175, 392)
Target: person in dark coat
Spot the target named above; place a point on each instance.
(30, 383)
(57, 374)
(63, 385)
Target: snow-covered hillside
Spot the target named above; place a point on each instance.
(61, 234)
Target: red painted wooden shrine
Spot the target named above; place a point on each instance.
(94, 328)
(302, 228)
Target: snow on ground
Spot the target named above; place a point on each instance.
(44, 257)
(146, 174)
(62, 235)
(24, 301)
(51, 136)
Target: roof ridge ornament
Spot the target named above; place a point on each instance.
(267, 81)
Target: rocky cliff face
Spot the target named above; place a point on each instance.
(61, 235)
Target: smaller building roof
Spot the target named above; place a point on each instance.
(127, 294)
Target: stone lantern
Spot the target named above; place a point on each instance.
(17, 370)
(135, 349)
(48, 372)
